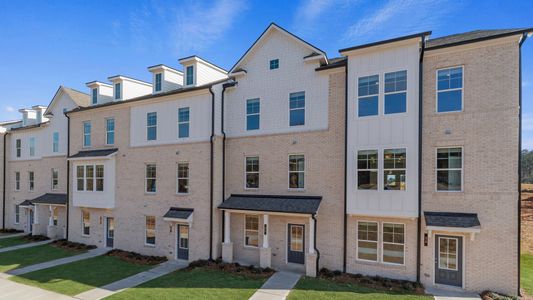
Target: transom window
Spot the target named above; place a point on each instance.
(393, 243)
(367, 241)
(253, 108)
(368, 90)
(183, 178)
(110, 131)
(32, 146)
(183, 122)
(31, 180)
(297, 109)
(150, 230)
(151, 176)
(94, 96)
(450, 89)
(252, 172)
(189, 75)
(55, 142)
(55, 179)
(395, 92)
(158, 77)
(394, 163)
(18, 146)
(367, 170)
(90, 178)
(274, 64)
(151, 126)
(448, 253)
(17, 181)
(85, 223)
(449, 169)
(117, 91)
(251, 231)
(296, 171)
(86, 134)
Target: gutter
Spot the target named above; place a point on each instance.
(211, 172)
(345, 227)
(68, 176)
(314, 244)
(4, 184)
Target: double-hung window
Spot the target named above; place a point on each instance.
(90, 178)
(449, 169)
(110, 131)
(94, 96)
(367, 241)
(394, 164)
(80, 178)
(396, 92)
(31, 180)
(151, 126)
(189, 75)
(17, 214)
(151, 176)
(252, 114)
(150, 231)
(99, 178)
(274, 64)
(297, 109)
(367, 170)
(85, 223)
(251, 230)
(183, 122)
(18, 146)
(393, 243)
(450, 89)
(32, 147)
(252, 172)
(55, 142)
(183, 178)
(55, 179)
(117, 91)
(87, 134)
(158, 82)
(368, 91)
(55, 216)
(296, 171)
(17, 181)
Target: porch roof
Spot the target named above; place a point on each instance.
(50, 198)
(26, 203)
(94, 153)
(178, 214)
(273, 203)
(451, 219)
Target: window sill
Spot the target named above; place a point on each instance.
(85, 236)
(149, 245)
(182, 194)
(296, 190)
(150, 193)
(251, 247)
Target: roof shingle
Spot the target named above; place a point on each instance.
(273, 203)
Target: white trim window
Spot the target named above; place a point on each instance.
(449, 169)
(150, 178)
(450, 89)
(17, 214)
(55, 142)
(182, 180)
(99, 178)
(90, 178)
(85, 223)
(183, 122)
(252, 172)
(251, 230)
(150, 231)
(157, 86)
(394, 164)
(393, 245)
(18, 146)
(395, 92)
(189, 75)
(31, 180)
(253, 110)
(448, 253)
(110, 131)
(368, 96)
(17, 181)
(118, 91)
(274, 64)
(94, 96)
(297, 109)
(32, 146)
(367, 241)
(87, 134)
(151, 126)
(296, 171)
(367, 169)
(55, 179)
(55, 216)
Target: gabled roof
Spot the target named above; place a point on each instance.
(273, 203)
(271, 27)
(378, 43)
(79, 98)
(473, 36)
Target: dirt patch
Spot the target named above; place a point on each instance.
(10, 230)
(527, 221)
(64, 244)
(136, 258)
(488, 295)
(235, 268)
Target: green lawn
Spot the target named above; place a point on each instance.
(198, 283)
(314, 288)
(30, 256)
(77, 277)
(13, 241)
(526, 270)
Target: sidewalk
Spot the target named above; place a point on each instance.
(12, 290)
(28, 245)
(442, 294)
(12, 235)
(277, 287)
(135, 280)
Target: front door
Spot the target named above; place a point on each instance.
(109, 232)
(295, 253)
(449, 260)
(30, 220)
(183, 242)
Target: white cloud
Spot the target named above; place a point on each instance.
(9, 109)
(310, 10)
(526, 83)
(311, 15)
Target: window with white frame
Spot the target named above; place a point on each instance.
(394, 164)
(449, 169)
(183, 178)
(55, 216)
(253, 108)
(296, 171)
(274, 64)
(183, 122)
(117, 91)
(17, 181)
(87, 134)
(17, 214)
(90, 178)
(367, 169)
(151, 126)
(450, 89)
(448, 252)
(395, 92)
(158, 77)
(110, 131)
(367, 241)
(151, 176)
(150, 230)
(189, 75)
(99, 178)
(251, 231)
(32, 146)
(297, 109)
(31, 180)
(18, 146)
(85, 223)
(252, 172)
(368, 99)
(55, 179)
(55, 142)
(393, 243)
(94, 96)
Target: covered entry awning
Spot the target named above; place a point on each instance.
(51, 199)
(26, 203)
(452, 222)
(176, 214)
(94, 154)
(273, 203)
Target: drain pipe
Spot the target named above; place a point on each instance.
(224, 87)
(68, 176)
(345, 224)
(211, 172)
(314, 244)
(4, 184)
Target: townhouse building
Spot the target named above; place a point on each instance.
(399, 158)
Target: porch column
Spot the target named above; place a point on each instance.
(51, 219)
(311, 236)
(265, 253)
(311, 256)
(227, 245)
(35, 215)
(227, 223)
(265, 231)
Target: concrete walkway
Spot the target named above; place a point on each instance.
(135, 280)
(277, 287)
(443, 294)
(28, 245)
(12, 235)
(10, 290)
(53, 263)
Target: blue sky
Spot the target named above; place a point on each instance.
(45, 44)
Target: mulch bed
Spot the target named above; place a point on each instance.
(10, 230)
(64, 244)
(35, 238)
(235, 268)
(136, 258)
(488, 295)
(374, 282)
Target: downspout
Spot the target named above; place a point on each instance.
(345, 227)
(68, 175)
(4, 184)
(211, 171)
(420, 114)
(314, 244)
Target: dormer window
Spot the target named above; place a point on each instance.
(274, 64)
(95, 96)
(158, 77)
(190, 75)
(117, 91)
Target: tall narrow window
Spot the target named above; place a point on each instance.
(31, 180)
(252, 114)
(55, 142)
(183, 178)
(296, 171)
(99, 178)
(95, 96)
(449, 169)
(55, 216)
(448, 253)
(274, 64)
(450, 89)
(367, 170)
(117, 91)
(393, 243)
(89, 178)
(190, 75)
(252, 172)
(297, 109)
(17, 214)
(150, 230)
(110, 131)
(396, 92)
(80, 175)
(183, 122)
(394, 162)
(158, 82)
(151, 126)
(85, 223)
(367, 241)
(87, 134)
(32, 146)
(368, 91)
(18, 143)
(55, 179)
(251, 231)
(151, 176)
(17, 181)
